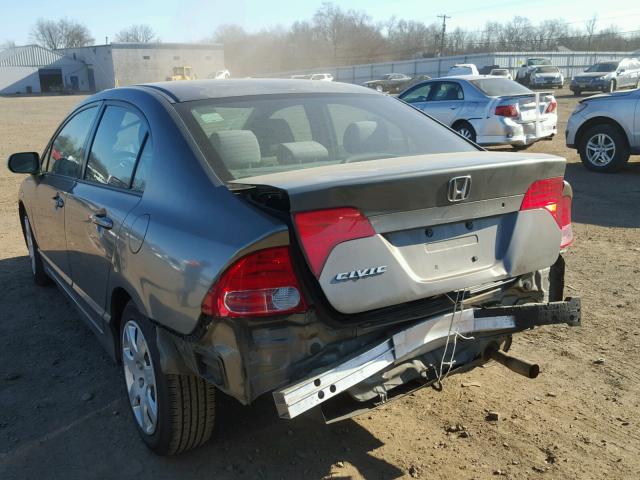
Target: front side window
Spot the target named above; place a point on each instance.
(115, 148)
(447, 91)
(418, 94)
(67, 150)
(282, 133)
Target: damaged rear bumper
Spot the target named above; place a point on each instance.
(403, 348)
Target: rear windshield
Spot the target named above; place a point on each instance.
(249, 136)
(603, 67)
(547, 69)
(498, 87)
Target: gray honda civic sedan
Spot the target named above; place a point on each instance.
(319, 242)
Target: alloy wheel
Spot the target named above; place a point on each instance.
(140, 377)
(465, 132)
(601, 149)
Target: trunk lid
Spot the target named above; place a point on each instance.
(432, 234)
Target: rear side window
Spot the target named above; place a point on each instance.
(143, 170)
(115, 148)
(448, 91)
(67, 150)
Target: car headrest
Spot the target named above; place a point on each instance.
(271, 132)
(237, 148)
(301, 152)
(365, 136)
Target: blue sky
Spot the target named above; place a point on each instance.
(194, 20)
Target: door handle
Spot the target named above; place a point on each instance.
(59, 200)
(100, 218)
(453, 108)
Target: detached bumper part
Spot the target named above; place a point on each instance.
(417, 340)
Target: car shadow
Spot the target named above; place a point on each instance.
(609, 200)
(64, 413)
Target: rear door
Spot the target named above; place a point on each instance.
(100, 201)
(61, 167)
(446, 100)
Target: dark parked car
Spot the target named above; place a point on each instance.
(395, 82)
(607, 77)
(317, 241)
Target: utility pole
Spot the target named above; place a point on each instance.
(444, 30)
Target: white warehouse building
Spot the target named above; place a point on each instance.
(34, 69)
(120, 64)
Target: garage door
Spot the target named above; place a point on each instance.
(50, 79)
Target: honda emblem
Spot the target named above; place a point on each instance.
(459, 188)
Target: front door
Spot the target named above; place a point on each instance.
(61, 167)
(99, 203)
(418, 96)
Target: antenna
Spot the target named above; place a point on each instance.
(444, 30)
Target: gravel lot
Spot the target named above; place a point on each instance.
(63, 412)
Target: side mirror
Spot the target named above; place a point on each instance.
(25, 162)
(622, 70)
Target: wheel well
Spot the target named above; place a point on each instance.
(21, 213)
(119, 299)
(598, 121)
(460, 122)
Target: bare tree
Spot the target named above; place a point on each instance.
(136, 34)
(63, 33)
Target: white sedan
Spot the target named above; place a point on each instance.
(487, 110)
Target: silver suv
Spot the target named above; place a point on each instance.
(605, 129)
(607, 76)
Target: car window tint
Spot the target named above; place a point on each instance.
(495, 87)
(346, 128)
(448, 91)
(419, 94)
(143, 169)
(115, 148)
(67, 150)
(215, 119)
(342, 116)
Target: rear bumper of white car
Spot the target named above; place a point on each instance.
(505, 131)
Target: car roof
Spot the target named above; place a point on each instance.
(189, 90)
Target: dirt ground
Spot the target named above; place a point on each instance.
(63, 412)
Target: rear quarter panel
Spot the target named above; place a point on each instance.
(187, 228)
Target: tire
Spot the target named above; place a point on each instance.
(184, 404)
(466, 130)
(577, 93)
(40, 277)
(603, 148)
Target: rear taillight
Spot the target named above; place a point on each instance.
(564, 217)
(547, 194)
(511, 110)
(321, 230)
(553, 105)
(260, 284)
